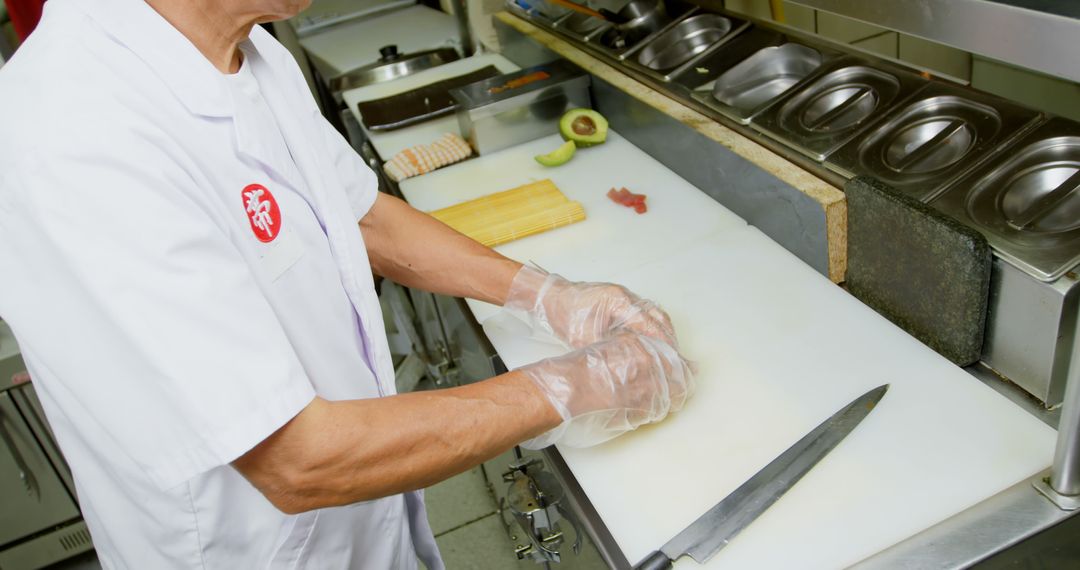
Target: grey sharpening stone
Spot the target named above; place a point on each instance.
(925, 272)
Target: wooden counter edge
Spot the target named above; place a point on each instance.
(830, 198)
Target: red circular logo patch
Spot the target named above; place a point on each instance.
(262, 211)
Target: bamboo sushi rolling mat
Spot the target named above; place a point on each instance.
(506, 216)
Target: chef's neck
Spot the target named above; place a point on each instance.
(215, 27)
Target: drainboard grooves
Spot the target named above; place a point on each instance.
(1047, 203)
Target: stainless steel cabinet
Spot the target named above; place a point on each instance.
(40, 522)
(35, 496)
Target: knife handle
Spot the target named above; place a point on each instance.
(655, 561)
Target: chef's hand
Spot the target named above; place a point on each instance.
(609, 388)
(580, 314)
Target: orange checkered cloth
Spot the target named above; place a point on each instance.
(423, 158)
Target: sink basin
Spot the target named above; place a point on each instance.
(764, 76)
(680, 43)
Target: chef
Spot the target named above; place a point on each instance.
(188, 250)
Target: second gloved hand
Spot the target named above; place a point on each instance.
(580, 314)
(609, 388)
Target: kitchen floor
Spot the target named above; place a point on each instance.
(471, 532)
(468, 526)
(465, 519)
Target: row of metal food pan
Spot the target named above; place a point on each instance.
(1006, 170)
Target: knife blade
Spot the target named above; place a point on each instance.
(713, 530)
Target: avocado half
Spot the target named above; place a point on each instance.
(559, 156)
(583, 126)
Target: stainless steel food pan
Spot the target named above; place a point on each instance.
(748, 88)
(683, 41)
(702, 76)
(678, 48)
(1026, 200)
(836, 104)
(943, 132)
(645, 20)
(581, 26)
(507, 110)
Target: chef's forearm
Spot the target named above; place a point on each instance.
(337, 453)
(416, 250)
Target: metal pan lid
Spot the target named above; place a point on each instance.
(941, 133)
(1026, 200)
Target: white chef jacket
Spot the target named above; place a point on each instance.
(184, 274)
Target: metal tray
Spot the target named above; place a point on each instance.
(581, 26)
(751, 86)
(493, 116)
(617, 42)
(678, 48)
(943, 132)
(838, 102)
(530, 12)
(707, 69)
(683, 41)
(1026, 200)
(549, 10)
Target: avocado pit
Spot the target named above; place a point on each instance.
(583, 126)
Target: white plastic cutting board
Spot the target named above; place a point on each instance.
(389, 143)
(780, 349)
(612, 238)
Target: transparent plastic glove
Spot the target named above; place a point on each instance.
(580, 314)
(609, 388)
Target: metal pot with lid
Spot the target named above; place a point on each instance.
(392, 65)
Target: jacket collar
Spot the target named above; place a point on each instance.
(251, 128)
(199, 86)
(172, 57)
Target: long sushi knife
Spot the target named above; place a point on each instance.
(716, 528)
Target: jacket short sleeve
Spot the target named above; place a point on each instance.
(140, 314)
(360, 182)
